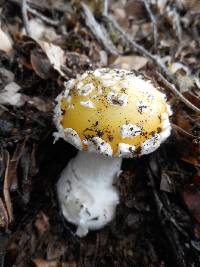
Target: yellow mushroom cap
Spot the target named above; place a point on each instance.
(113, 112)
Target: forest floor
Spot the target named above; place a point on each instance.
(42, 44)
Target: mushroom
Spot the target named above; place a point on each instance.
(112, 114)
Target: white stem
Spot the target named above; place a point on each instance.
(86, 192)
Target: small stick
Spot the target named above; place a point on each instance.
(105, 8)
(42, 17)
(178, 25)
(154, 22)
(156, 59)
(181, 130)
(98, 30)
(25, 17)
(175, 91)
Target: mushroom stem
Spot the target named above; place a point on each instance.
(86, 192)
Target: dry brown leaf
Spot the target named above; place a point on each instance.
(40, 104)
(191, 197)
(177, 66)
(10, 95)
(45, 263)
(4, 220)
(195, 100)
(40, 63)
(185, 82)
(6, 188)
(182, 121)
(196, 178)
(191, 159)
(136, 9)
(40, 31)
(130, 62)
(192, 5)
(5, 43)
(56, 56)
(42, 223)
(14, 164)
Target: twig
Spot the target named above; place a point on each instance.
(156, 59)
(178, 31)
(181, 130)
(175, 91)
(154, 22)
(105, 7)
(177, 25)
(161, 209)
(42, 17)
(25, 17)
(170, 229)
(98, 30)
(6, 188)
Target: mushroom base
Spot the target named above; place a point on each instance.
(86, 193)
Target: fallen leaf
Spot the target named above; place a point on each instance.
(10, 95)
(177, 66)
(166, 184)
(196, 178)
(12, 173)
(4, 220)
(191, 197)
(195, 100)
(56, 56)
(191, 159)
(40, 31)
(45, 263)
(130, 62)
(40, 104)
(192, 155)
(40, 63)
(5, 43)
(6, 188)
(42, 222)
(161, 5)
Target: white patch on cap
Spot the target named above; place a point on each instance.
(83, 76)
(84, 90)
(69, 84)
(98, 145)
(163, 96)
(56, 136)
(70, 106)
(107, 76)
(166, 127)
(69, 99)
(108, 83)
(73, 138)
(87, 104)
(130, 130)
(151, 145)
(128, 82)
(126, 150)
(117, 99)
(151, 97)
(165, 120)
(169, 110)
(99, 90)
(58, 117)
(143, 85)
(141, 106)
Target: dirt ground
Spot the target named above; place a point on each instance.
(44, 43)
